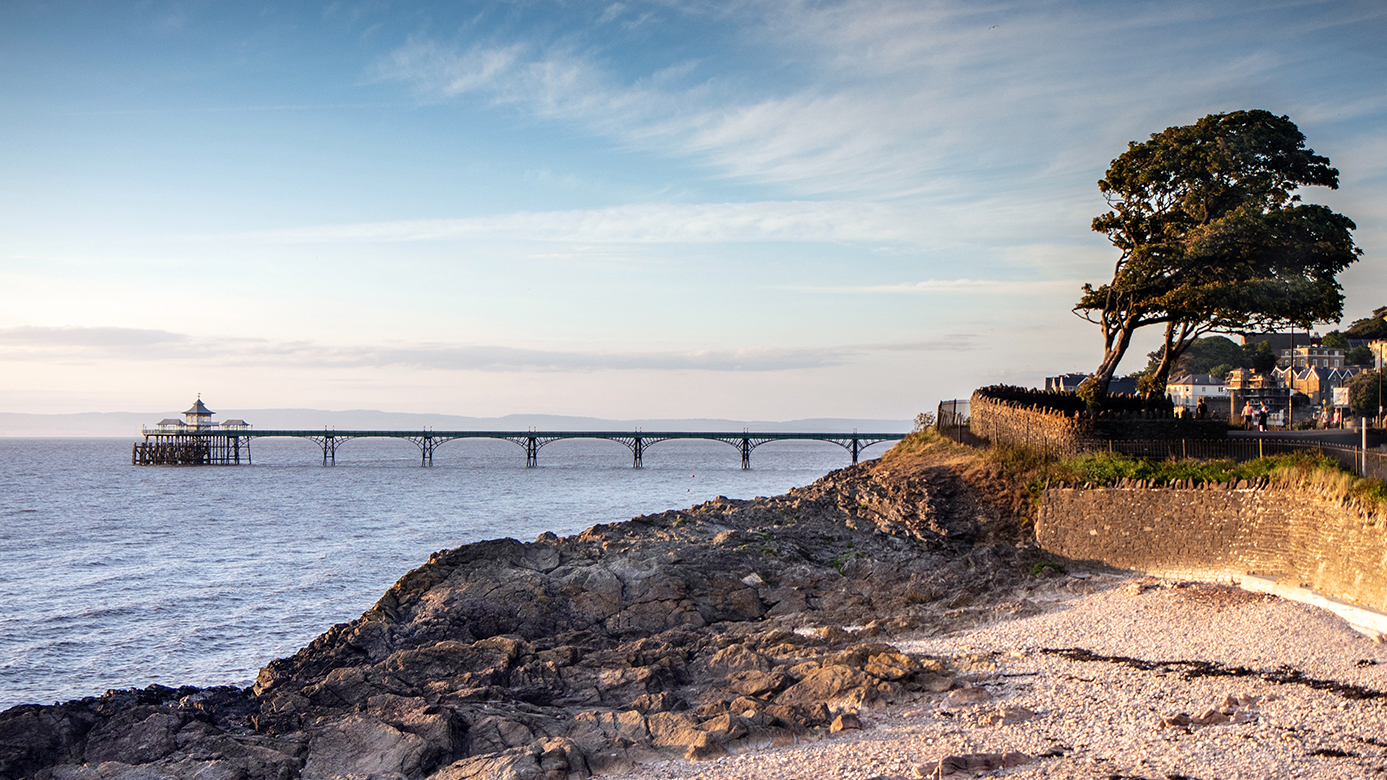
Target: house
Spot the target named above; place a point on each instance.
(1187, 391)
(1247, 386)
(1277, 342)
(1311, 356)
(1317, 382)
(1068, 383)
(235, 425)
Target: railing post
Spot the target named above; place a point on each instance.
(1364, 470)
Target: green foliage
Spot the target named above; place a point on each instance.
(842, 560)
(1359, 356)
(1222, 370)
(1335, 339)
(1363, 394)
(1374, 327)
(1259, 357)
(1041, 567)
(1203, 355)
(1214, 237)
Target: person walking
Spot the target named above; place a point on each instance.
(1200, 410)
(1262, 418)
(1248, 412)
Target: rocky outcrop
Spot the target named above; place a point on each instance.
(724, 627)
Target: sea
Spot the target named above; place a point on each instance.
(117, 576)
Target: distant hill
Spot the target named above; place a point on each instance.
(127, 424)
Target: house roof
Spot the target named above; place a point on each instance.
(1196, 379)
(199, 408)
(170, 421)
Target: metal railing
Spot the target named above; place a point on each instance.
(953, 422)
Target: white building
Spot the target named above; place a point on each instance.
(197, 418)
(1187, 390)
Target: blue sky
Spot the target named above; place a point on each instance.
(743, 209)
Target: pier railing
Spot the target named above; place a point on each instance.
(221, 447)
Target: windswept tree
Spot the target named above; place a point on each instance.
(1214, 238)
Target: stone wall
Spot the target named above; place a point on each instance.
(1061, 431)
(1294, 536)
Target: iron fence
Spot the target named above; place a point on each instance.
(953, 422)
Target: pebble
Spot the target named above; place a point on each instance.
(1101, 718)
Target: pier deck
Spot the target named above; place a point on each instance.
(222, 447)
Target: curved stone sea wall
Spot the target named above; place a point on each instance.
(1056, 422)
(1295, 536)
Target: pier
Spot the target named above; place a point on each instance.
(231, 446)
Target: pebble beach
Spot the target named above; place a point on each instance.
(1140, 678)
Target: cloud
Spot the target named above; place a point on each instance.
(953, 286)
(130, 344)
(40, 338)
(880, 98)
(832, 221)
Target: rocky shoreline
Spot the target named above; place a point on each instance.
(689, 633)
(720, 641)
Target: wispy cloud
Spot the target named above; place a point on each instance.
(834, 221)
(40, 338)
(952, 287)
(129, 344)
(879, 98)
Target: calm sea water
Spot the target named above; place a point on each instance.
(114, 575)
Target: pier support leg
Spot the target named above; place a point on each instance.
(637, 450)
(855, 449)
(329, 451)
(426, 451)
(746, 453)
(531, 453)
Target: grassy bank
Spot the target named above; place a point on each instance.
(1029, 471)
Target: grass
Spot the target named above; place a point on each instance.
(1030, 471)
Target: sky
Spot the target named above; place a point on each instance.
(638, 209)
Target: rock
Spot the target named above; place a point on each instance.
(726, 727)
(361, 746)
(137, 736)
(1178, 720)
(845, 722)
(890, 664)
(704, 748)
(1211, 717)
(758, 683)
(973, 764)
(735, 658)
(658, 702)
(838, 686)
(1009, 715)
(966, 696)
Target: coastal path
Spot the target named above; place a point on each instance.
(227, 447)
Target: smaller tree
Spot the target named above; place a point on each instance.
(1259, 357)
(1359, 356)
(1335, 339)
(1363, 394)
(1374, 327)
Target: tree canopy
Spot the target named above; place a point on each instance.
(1214, 237)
